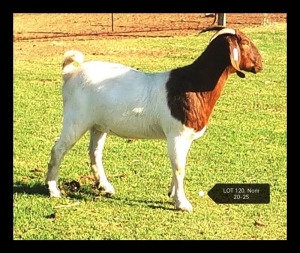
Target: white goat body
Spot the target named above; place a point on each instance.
(119, 100)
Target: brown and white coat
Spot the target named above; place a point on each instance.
(109, 98)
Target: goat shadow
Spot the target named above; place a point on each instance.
(40, 189)
(30, 189)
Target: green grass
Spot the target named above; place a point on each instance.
(245, 143)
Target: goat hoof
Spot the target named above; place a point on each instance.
(53, 190)
(186, 207)
(55, 193)
(108, 189)
(171, 194)
(110, 192)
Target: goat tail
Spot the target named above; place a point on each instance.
(71, 57)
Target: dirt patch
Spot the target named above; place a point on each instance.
(31, 29)
(72, 26)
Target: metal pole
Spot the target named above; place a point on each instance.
(112, 22)
(221, 19)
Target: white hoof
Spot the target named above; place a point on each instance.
(108, 188)
(53, 190)
(55, 193)
(184, 206)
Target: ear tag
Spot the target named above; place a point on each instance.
(235, 54)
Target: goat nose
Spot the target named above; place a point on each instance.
(257, 68)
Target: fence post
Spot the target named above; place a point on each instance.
(221, 19)
(112, 22)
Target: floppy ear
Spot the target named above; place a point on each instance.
(235, 56)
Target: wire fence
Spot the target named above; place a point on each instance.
(47, 26)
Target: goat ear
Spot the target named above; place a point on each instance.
(235, 55)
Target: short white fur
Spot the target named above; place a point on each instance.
(109, 98)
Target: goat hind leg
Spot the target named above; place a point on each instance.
(69, 136)
(97, 140)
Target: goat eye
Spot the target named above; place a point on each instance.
(245, 42)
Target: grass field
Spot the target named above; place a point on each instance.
(245, 143)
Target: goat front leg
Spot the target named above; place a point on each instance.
(171, 192)
(178, 148)
(97, 140)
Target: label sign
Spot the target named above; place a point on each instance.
(240, 193)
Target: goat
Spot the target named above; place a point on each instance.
(110, 98)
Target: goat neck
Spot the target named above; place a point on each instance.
(194, 89)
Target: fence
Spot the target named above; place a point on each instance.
(49, 26)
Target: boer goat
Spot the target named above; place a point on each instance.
(109, 98)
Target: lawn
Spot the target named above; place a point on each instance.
(245, 143)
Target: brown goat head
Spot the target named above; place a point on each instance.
(243, 53)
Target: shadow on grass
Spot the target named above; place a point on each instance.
(31, 189)
(85, 194)
(41, 189)
(150, 203)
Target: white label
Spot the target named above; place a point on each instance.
(235, 54)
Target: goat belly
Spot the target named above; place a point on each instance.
(135, 130)
(130, 122)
